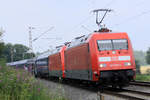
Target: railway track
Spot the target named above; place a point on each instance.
(140, 83)
(111, 94)
(124, 94)
(103, 96)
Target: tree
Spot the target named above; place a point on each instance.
(1, 49)
(1, 43)
(13, 52)
(16, 52)
(1, 34)
(148, 56)
(137, 66)
(7, 52)
(140, 56)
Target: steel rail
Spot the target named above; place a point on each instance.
(123, 96)
(140, 83)
(136, 92)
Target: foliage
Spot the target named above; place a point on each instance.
(2, 62)
(1, 43)
(137, 66)
(143, 77)
(16, 52)
(148, 71)
(16, 84)
(1, 34)
(148, 56)
(1, 48)
(140, 57)
(13, 52)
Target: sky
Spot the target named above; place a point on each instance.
(70, 19)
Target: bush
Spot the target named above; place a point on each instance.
(148, 56)
(137, 66)
(143, 77)
(2, 62)
(16, 84)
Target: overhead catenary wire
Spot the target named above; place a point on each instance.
(43, 33)
(133, 17)
(140, 3)
(57, 38)
(109, 3)
(86, 28)
(83, 21)
(81, 24)
(130, 18)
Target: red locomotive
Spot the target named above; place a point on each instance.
(99, 57)
(56, 62)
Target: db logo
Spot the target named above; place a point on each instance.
(114, 58)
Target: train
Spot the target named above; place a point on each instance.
(102, 58)
(26, 64)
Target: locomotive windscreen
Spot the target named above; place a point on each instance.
(113, 44)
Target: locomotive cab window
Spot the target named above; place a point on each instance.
(114, 44)
(104, 45)
(120, 44)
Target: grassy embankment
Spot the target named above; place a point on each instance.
(143, 77)
(16, 84)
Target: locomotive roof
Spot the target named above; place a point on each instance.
(78, 40)
(82, 39)
(49, 52)
(44, 55)
(57, 49)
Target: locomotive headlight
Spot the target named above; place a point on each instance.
(102, 65)
(127, 63)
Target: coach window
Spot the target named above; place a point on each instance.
(42, 62)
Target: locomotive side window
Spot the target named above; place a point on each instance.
(115, 44)
(104, 45)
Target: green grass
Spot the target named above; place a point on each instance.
(143, 77)
(16, 84)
